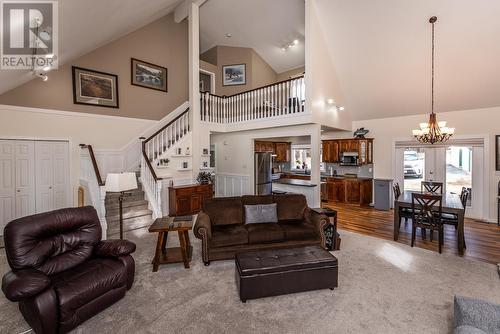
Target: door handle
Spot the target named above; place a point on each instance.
(18, 190)
(50, 188)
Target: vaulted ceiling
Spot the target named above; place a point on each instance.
(85, 25)
(381, 51)
(264, 25)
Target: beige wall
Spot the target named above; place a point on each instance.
(290, 73)
(162, 42)
(262, 73)
(469, 123)
(258, 72)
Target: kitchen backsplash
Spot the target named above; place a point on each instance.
(285, 166)
(362, 171)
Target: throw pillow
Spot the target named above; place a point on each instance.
(261, 213)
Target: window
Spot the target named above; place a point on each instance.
(301, 157)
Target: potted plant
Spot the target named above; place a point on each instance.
(205, 178)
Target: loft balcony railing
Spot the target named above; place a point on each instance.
(278, 100)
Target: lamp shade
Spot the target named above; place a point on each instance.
(121, 182)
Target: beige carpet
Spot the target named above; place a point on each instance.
(384, 287)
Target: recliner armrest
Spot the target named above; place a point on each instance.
(23, 284)
(114, 248)
(202, 222)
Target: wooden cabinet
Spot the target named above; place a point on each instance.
(264, 146)
(296, 177)
(188, 199)
(332, 149)
(282, 151)
(352, 191)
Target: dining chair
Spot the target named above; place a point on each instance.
(432, 187)
(427, 211)
(452, 219)
(403, 212)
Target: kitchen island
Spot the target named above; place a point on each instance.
(352, 190)
(304, 187)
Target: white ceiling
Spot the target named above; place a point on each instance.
(263, 25)
(84, 25)
(381, 51)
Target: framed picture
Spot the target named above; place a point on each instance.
(497, 153)
(148, 75)
(233, 75)
(95, 88)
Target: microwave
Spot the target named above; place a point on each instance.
(349, 159)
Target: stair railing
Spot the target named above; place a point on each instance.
(277, 100)
(152, 149)
(95, 185)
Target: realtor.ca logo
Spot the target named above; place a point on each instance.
(29, 36)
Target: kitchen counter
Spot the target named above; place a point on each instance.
(342, 177)
(295, 182)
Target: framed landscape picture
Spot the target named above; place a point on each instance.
(149, 75)
(95, 88)
(233, 75)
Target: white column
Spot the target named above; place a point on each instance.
(194, 91)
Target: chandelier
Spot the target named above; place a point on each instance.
(433, 131)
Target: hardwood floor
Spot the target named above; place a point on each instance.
(483, 240)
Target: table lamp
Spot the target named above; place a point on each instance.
(121, 183)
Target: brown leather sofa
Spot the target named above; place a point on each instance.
(223, 232)
(62, 273)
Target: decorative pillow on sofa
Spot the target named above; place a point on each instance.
(261, 213)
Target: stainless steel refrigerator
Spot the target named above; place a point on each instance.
(263, 173)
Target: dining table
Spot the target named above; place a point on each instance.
(450, 204)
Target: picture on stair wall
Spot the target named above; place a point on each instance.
(95, 88)
(149, 75)
(233, 75)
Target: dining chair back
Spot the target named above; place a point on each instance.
(432, 187)
(427, 210)
(396, 190)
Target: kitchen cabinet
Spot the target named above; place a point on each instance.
(333, 149)
(330, 151)
(264, 146)
(296, 176)
(351, 191)
(188, 199)
(282, 151)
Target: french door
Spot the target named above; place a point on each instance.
(455, 165)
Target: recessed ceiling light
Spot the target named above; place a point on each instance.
(341, 108)
(228, 35)
(330, 101)
(295, 41)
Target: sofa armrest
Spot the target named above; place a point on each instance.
(203, 226)
(23, 284)
(319, 221)
(114, 248)
(476, 313)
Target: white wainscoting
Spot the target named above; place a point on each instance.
(227, 185)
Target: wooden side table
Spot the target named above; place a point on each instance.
(164, 255)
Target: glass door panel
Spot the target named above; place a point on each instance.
(459, 170)
(414, 168)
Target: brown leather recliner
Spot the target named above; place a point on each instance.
(62, 273)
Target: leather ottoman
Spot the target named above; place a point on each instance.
(282, 271)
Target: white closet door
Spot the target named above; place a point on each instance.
(44, 176)
(60, 156)
(52, 175)
(25, 178)
(7, 183)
